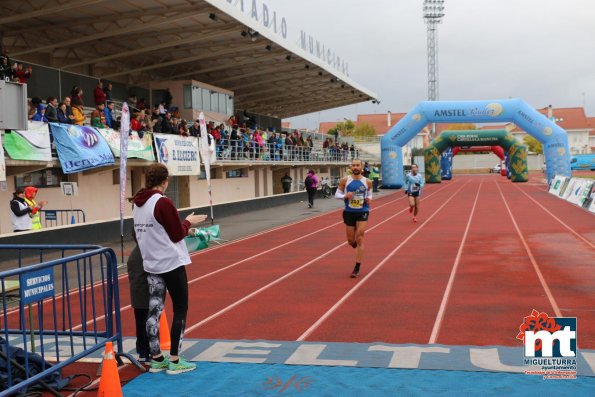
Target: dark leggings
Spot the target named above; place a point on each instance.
(311, 193)
(176, 283)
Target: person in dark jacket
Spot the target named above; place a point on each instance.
(139, 299)
(20, 211)
(62, 114)
(51, 111)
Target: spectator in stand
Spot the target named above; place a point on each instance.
(234, 141)
(68, 111)
(23, 74)
(352, 150)
(40, 114)
(110, 119)
(98, 93)
(141, 105)
(77, 96)
(309, 147)
(195, 129)
(98, 117)
(147, 121)
(51, 111)
(155, 113)
(33, 104)
(62, 116)
(161, 109)
(136, 123)
(183, 128)
(107, 90)
(232, 121)
(6, 72)
(79, 114)
(167, 126)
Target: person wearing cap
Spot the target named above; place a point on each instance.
(40, 114)
(20, 212)
(30, 193)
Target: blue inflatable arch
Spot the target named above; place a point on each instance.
(553, 138)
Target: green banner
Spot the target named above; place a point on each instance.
(140, 148)
(31, 144)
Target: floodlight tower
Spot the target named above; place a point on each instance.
(433, 11)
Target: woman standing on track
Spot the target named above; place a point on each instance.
(160, 235)
(356, 191)
(414, 182)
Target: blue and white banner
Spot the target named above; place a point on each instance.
(80, 147)
(36, 285)
(178, 153)
(124, 131)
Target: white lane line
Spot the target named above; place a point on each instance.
(558, 219)
(267, 286)
(453, 272)
(544, 285)
(326, 315)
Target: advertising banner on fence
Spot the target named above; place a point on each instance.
(31, 144)
(178, 153)
(556, 184)
(581, 188)
(139, 148)
(80, 147)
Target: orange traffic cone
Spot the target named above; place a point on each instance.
(164, 336)
(109, 384)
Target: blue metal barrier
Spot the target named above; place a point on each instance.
(52, 218)
(75, 300)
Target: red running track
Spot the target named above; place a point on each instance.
(484, 253)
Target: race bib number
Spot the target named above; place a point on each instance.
(357, 201)
(414, 188)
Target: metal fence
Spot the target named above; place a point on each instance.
(62, 309)
(51, 218)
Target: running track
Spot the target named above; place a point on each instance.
(484, 253)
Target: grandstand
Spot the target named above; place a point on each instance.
(210, 56)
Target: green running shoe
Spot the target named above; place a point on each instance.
(158, 366)
(180, 367)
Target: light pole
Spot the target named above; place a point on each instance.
(433, 11)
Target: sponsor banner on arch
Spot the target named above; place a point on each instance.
(178, 153)
(139, 148)
(80, 147)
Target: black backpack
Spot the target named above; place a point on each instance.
(309, 182)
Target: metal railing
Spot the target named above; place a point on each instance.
(68, 308)
(51, 218)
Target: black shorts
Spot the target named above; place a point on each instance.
(351, 218)
(413, 194)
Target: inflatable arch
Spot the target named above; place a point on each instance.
(553, 138)
(449, 153)
(517, 153)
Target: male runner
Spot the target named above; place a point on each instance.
(356, 191)
(413, 184)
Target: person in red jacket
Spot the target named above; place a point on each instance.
(99, 94)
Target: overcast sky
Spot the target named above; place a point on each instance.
(540, 50)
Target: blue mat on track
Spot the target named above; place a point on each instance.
(233, 379)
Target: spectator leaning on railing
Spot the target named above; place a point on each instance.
(51, 111)
(62, 117)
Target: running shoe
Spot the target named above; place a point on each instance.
(414, 220)
(180, 367)
(355, 272)
(354, 244)
(158, 366)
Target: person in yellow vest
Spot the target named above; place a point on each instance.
(374, 175)
(30, 193)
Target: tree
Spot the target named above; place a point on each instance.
(533, 145)
(364, 129)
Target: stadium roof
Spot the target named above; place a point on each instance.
(225, 43)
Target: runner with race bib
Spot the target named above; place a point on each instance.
(356, 192)
(414, 182)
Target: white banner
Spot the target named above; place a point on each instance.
(2, 163)
(178, 153)
(556, 184)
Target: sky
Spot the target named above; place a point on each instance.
(542, 51)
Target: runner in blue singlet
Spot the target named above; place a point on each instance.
(414, 182)
(356, 191)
